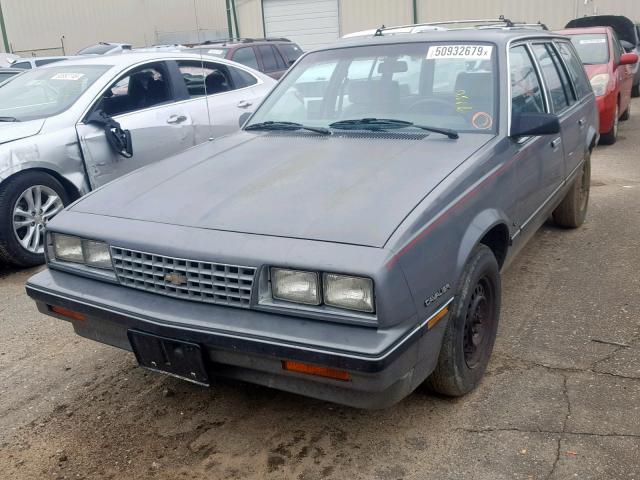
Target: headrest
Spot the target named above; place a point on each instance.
(392, 66)
(215, 80)
(476, 85)
(373, 91)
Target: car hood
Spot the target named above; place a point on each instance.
(344, 188)
(11, 131)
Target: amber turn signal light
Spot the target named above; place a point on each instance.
(65, 312)
(437, 317)
(315, 370)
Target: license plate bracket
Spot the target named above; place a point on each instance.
(166, 355)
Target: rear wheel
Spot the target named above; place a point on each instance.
(611, 136)
(471, 329)
(573, 209)
(28, 202)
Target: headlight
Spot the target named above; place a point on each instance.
(295, 286)
(96, 254)
(599, 84)
(67, 248)
(352, 293)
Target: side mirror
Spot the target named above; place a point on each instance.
(118, 138)
(530, 124)
(243, 118)
(629, 59)
(628, 46)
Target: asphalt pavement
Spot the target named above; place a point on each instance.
(561, 399)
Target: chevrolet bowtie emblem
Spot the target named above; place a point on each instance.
(175, 278)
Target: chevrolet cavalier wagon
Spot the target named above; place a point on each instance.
(347, 244)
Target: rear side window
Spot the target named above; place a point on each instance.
(242, 79)
(271, 58)
(291, 51)
(576, 70)
(22, 65)
(246, 56)
(40, 63)
(555, 86)
(526, 91)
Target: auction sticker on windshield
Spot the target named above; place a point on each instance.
(467, 52)
(67, 76)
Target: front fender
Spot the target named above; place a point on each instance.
(64, 162)
(482, 224)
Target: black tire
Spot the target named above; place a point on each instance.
(611, 136)
(11, 251)
(572, 211)
(635, 91)
(627, 114)
(471, 328)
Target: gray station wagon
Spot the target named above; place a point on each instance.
(347, 243)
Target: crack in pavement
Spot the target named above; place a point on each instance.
(565, 393)
(530, 363)
(549, 432)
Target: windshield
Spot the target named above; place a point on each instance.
(436, 84)
(44, 92)
(592, 48)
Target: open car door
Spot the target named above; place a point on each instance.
(136, 122)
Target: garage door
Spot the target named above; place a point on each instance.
(309, 23)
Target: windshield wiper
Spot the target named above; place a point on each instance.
(382, 124)
(271, 125)
(9, 119)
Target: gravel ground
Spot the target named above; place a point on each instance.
(561, 398)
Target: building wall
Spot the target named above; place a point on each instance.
(37, 26)
(358, 15)
(553, 12)
(250, 18)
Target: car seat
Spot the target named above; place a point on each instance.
(216, 82)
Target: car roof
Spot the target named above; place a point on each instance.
(583, 30)
(500, 36)
(132, 58)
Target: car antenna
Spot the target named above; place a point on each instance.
(204, 78)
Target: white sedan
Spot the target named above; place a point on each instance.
(72, 126)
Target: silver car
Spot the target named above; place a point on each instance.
(71, 127)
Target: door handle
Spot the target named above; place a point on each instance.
(244, 104)
(582, 122)
(174, 119)
(556, 143)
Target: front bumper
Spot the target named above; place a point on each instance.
(384, 365)
(607, 111)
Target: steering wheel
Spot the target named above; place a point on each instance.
(437, 105)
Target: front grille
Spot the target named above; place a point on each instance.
(192, 280)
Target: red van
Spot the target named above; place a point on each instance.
(607, 66)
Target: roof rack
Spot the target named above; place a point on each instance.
(500, 22)
(223, 41)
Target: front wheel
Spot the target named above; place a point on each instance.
(472, 327)
(573, 209)
(27, 202)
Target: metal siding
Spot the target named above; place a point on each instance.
(309, 23)
(250, 18)
(555, 13)
(40, 24)
(356, 15)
